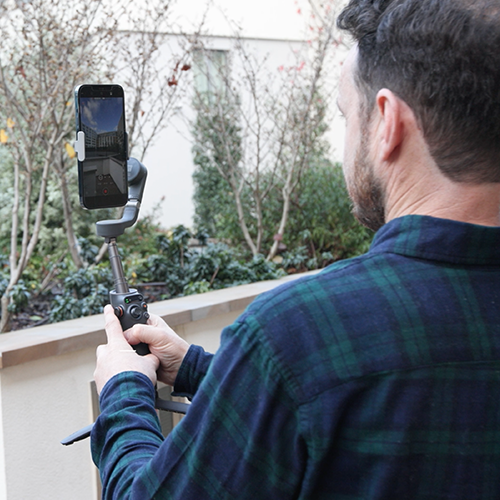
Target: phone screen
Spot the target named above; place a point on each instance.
(103, 173)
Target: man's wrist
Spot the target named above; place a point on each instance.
(192, 371)
(127, 385)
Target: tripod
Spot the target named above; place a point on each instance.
(128, 303)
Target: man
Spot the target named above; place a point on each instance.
(378, 378)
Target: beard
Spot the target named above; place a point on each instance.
(365, 190)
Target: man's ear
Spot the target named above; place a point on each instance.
(390, 127)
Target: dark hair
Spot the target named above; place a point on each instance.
(442, 57)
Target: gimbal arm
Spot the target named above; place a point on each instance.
(137, 175)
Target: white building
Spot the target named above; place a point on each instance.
(272, 28)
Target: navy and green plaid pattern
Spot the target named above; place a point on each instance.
(378, 378)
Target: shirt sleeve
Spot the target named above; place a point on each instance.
(126, 434)
(241, 436)
(193, 369)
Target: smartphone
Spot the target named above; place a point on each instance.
(101, 146)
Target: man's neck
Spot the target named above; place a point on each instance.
(472, 203)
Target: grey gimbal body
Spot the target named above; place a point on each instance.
(128, 303)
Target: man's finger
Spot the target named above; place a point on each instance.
(148, 334)
(155, 320)
(113, 327)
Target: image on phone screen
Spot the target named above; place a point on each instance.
(103, 173)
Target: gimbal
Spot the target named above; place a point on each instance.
(128, 303)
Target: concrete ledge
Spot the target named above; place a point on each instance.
(31, 344)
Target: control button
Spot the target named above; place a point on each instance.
(118, 312)
(135, 312)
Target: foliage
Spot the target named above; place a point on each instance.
(151, 257)
(321, 218)
(185, 270)
(217, 153)
(213, 195)
(175, 263)
(322, 228)
(85, 292)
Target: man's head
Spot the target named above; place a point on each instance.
(442, 58)
(365, 189)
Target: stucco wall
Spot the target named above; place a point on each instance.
(45, 392)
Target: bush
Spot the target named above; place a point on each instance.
(20, 296)
(85, 292)
(321, 228)
(184, 270)
(163, 264)
(174, 268)
(321, 224)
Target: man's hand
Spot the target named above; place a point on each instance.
(164, 343)
(118, 356)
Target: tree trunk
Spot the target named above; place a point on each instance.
(282, 226)
(243, 225)
(5, 320)
(68, 220)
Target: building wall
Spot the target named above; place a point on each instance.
(42, 402)
(271, 29)
(46, 400)
(45, 391)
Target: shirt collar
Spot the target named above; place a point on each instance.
(440, 240)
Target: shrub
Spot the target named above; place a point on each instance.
(85, 292)
(321, 227)
(321, 218)
(185, 270)
(174, 267)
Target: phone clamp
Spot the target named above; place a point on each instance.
(79, 145)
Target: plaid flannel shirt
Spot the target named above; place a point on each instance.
(378, 378)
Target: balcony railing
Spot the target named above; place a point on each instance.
(45, 390)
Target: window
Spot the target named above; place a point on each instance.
(210, 68)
